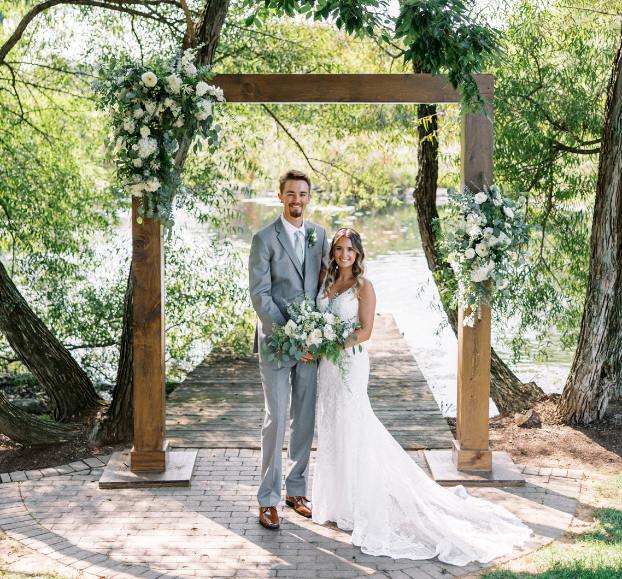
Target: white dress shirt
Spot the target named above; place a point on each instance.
(291, 232)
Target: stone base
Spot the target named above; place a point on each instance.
(504, 472)
(179, 467)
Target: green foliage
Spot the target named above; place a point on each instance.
(442, 37)
(596, 554)
(550, 88)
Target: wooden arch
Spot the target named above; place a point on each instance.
(471, 450)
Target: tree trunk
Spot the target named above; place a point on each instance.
(117, 423)
(507, 391)
(24, 428)
(67, 386)
(596, 371)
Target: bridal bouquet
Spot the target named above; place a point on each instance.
(309, 331)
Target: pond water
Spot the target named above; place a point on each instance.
(397, 267)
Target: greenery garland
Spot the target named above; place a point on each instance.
(482, 240)
(151, 107)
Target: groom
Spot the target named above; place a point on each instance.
(288, 258)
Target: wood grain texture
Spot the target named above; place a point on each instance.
(221, 403)
(343, 88)
(472, 452)
(148, 338)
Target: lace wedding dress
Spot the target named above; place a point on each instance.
(366, 483)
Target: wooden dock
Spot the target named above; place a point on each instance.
(220, 404)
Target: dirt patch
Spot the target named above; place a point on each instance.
(597, 447)
(15, 457)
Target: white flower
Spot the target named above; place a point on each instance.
(149, 79)
(169, 103)
(189, 68)
(475, 231)
(488, 231)
(502, 283)
(205, 110)
(144, 132)
(290, 327)
(328, 317)
(462, 224)
(216, 92)
(497, 201)
(478, 275)
(469, 253)
(508, 211)
(136, 190)
(173, 84)
(129, 125)
(150, 107)
(138, 113)
(503, 238)
(472, 218)
(147, 146)
(119, 144)
(480, 197)
(329, 332)
(201, 88)
(481, 249)
(314, 338)
(179, 122)
(137, 162)
(152, 185)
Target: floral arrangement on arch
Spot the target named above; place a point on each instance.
(482, 240)
(152, 107)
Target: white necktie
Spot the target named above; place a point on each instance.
(298, 246)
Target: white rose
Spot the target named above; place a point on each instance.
(179, 122)
(475, 231)
(152, 185)
(328, 317)
(469, 253)
(201, 88)
(150, 107)
(481, 249)
(129, 125)
(329, 332)
(290, 327)
(508, 211)
(169, 103)
(146, 147)
(136, 190)
(173, 84)
(478, 275)
(217, 93)
(144, 132)
(488, 231)
(138, 113)
(472, 218)
(480, 197)
(205, 110)
(190, 69)
(503, 238)
(497, 201)
(137, 163)
(149, 79)
(502, 283)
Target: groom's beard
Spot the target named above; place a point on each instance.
(295, 211)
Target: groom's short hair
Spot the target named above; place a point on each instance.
(293, 175)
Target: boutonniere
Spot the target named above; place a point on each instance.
(312, 237)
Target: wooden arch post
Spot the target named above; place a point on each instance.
(150, 462)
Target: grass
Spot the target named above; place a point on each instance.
(596, 554)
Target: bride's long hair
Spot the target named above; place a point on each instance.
(358, 267)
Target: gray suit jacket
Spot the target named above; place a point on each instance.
(277, 279)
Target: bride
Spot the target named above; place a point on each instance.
(364, 481)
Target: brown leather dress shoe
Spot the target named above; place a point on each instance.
(302, 505)
(269, 518)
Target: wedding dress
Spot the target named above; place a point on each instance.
(365, 482)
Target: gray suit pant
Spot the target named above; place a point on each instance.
(301, 380)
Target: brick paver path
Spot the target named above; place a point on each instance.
(211, 529)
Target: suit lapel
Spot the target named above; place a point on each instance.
(283, 239)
